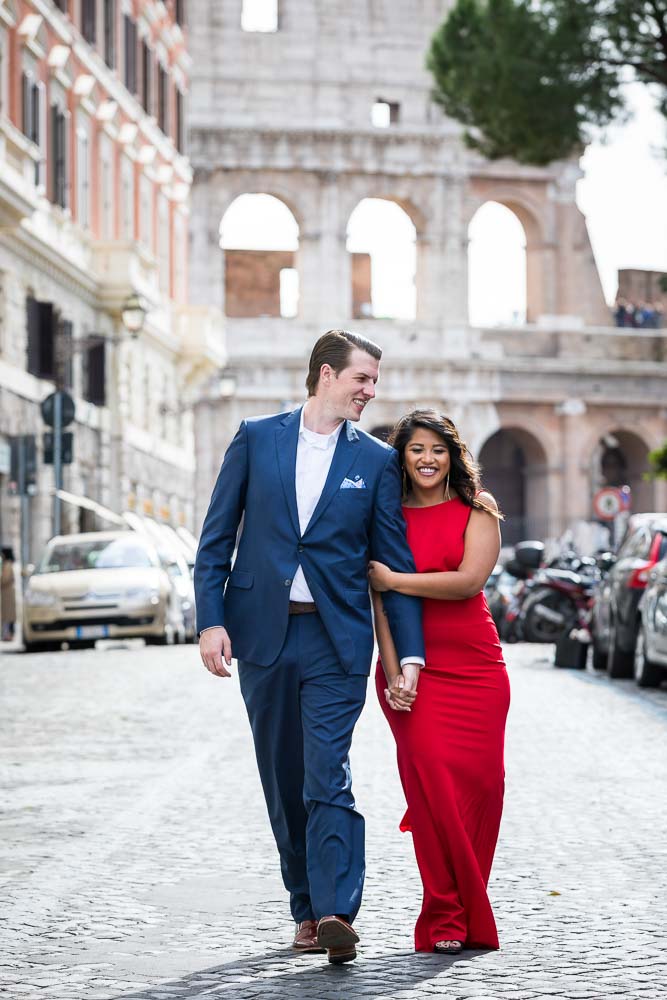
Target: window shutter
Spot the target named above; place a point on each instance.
(32, 315)
(95, 375)
(26, 105)
(46, 358)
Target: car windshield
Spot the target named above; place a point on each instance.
(104, 553)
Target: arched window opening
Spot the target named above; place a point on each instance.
(381, 238)
(514, 466)
(621, 459)
(497, 267)
(260, 238)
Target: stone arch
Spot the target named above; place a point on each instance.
(497, 282)
(514, 468)
(382, 241)
(259, 235)
(620, 458)
(531, 215)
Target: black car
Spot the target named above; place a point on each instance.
(615, 618)
(651, 646)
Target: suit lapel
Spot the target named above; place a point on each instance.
(287, 438)
(344, 456)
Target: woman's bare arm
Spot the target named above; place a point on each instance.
(482, 547)
(396, 696)
(388, 654)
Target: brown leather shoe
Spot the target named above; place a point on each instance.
(305, 938)
(339, 939)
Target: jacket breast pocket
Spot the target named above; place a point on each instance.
(239, 578)
(358, 598)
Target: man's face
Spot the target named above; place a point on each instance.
(348, 393)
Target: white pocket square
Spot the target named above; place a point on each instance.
(353, 484)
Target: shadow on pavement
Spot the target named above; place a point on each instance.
(281, 974)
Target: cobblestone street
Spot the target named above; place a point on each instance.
(137, 859)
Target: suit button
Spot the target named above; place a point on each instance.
(288, 583)
(300, 548)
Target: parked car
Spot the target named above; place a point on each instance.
(103, 584)
(615, 615)
(650, 660)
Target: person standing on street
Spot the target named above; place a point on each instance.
(7, 594)
(317, 500)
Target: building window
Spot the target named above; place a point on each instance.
(40, 318)
(30, 108)
(110, 33)
(146, 210)
(88, 20)
(126, 198)
(107, 187)
(180, 121)
(384, 114)
(94, 374)
(163, 99)
(146, 78)
(259, 15)
(83, 176)
(33, 125)
(130, 54)
(59, 164)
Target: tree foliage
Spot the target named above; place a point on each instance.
(530, 78)
(658, 462)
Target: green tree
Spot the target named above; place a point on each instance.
(530, 79)
(658, 462)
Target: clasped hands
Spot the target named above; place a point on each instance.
(402, 690)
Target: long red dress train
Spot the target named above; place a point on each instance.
(450, 746)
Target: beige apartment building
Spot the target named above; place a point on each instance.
(94, 213)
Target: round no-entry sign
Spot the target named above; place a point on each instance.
(608, 503)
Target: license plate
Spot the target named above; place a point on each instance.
(92, 631)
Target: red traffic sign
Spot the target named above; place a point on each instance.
(608, 503)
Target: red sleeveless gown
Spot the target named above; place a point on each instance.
(450, 746)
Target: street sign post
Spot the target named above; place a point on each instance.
(57, 412)
(608, 503)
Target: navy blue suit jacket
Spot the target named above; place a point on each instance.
(256, 486)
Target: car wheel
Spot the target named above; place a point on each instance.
(41, 647)
(599, 657)
(647, 673)
(619, 663)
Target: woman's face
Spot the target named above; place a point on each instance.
(427, 460)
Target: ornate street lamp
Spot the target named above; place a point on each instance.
(134, 314)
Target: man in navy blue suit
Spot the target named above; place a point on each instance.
(317, 500)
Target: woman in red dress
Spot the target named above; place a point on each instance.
(450, 734)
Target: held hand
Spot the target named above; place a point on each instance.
(399, 696)
(380, 576)
(215, 649)
(410, 673)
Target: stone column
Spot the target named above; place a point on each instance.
(325, 274)
(207, 263)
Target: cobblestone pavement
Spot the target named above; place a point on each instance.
(137, 860)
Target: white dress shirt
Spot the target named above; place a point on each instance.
(314, 455)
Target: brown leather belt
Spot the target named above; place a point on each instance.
(302, 608)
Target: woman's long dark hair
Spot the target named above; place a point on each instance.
(464, 475)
